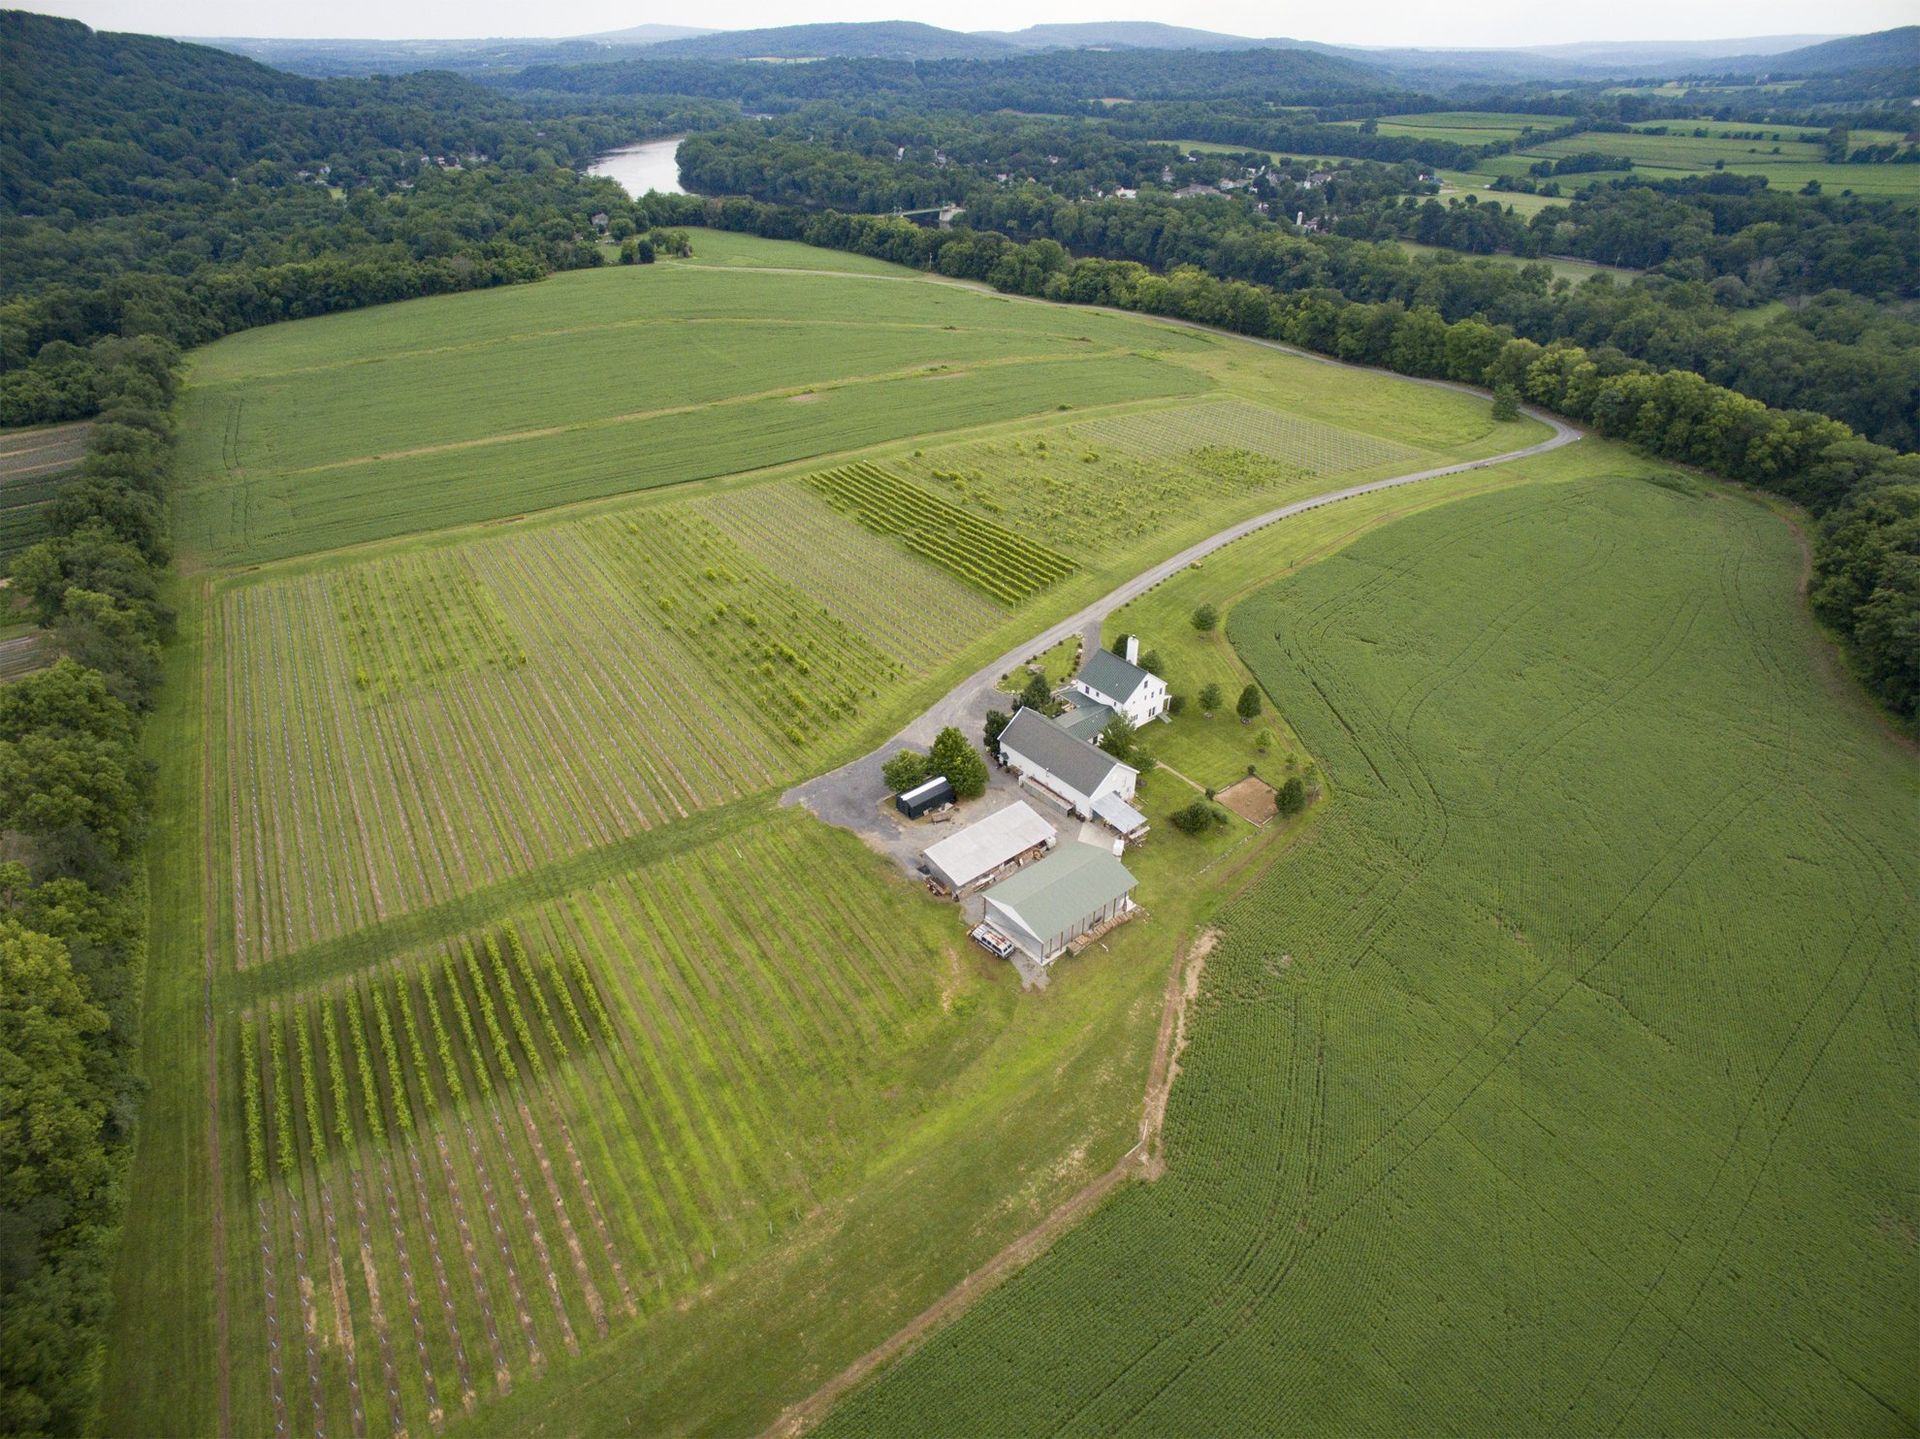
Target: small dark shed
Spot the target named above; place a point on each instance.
(923, 797)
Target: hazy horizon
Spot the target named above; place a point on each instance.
(1498, 24)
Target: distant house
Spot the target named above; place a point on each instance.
(1005, 837)
(1121, 685)
(1044, 908)
(1074, 772)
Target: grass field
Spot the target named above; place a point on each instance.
(1564, 1078)
(555, 1072)
(33, 464)
(1788, 156)
(1578, 271)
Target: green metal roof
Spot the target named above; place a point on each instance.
(1054, 894)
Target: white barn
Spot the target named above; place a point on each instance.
(1121, 685)
(964, 859)
(1071, 770)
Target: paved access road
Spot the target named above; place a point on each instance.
(852, 796)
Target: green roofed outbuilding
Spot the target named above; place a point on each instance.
(1075, 890)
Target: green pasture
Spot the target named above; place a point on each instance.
(731, 249)
(1562, 1077)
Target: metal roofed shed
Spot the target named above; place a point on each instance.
(1119, 816)
(966, 858)
(923, 797)
(1074, 891)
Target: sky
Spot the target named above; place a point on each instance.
(1361, 22)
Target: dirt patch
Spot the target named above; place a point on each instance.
(806, 398)
(1253, 799)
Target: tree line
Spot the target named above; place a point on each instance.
(1864, 494)
(75, 794)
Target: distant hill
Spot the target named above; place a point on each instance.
(1126, 34)
(1667, 52)
(655, 34)
(1882, 50)
(878, 39)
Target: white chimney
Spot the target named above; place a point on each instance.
(1132, 655)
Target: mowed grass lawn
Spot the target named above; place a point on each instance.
(1564, 1077)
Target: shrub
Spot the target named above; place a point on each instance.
(1293, 796)
(1249, 705)
(1200, 817)
(1205, 617)
(1209, 698)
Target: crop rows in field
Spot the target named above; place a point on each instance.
(1080, 493)
(486, 1155)
(914, 612)
(521, 698)
(410, 619)
(1216, 431)
(993, 559)
(788, 661)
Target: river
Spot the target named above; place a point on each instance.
(640, 168)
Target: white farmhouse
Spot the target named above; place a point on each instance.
(1074, 772)
(1121, 685)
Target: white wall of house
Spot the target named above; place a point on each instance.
(1120, 780)
(1147, 702)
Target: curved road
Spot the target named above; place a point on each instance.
(851, 795)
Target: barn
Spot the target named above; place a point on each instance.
(1077, 889)
(1051, 760)
(963, 860)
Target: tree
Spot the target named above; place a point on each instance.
(1249, 705)
(1176, 705)
(960, 762)
(1205, 617)
(1293, 796)
(1153, 664)
(997, 722)
(1119, 738)
(1038, 694)
(1209, 698)
(905, 770)
(1506, 402)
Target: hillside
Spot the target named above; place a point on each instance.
(880, 39)
(1126, 34)
(1882, 50)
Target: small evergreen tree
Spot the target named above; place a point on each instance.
(1209, 698)
(1293, 796)
(960, 762)
(1205, 617)
(1506, 402)
(1038, 694)
(997, 722)
(1249, 705)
